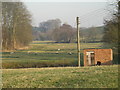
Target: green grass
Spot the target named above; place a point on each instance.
(43, 54)
(62, 77)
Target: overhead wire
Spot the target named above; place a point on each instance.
(95, 14)
(88, 15)
(86, 19)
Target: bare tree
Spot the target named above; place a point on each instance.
(64, 34)
(16, 25)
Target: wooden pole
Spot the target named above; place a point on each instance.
(78, 40)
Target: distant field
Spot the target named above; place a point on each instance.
(45, 54)
(62, 77)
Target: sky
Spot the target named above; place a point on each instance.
(90, 12)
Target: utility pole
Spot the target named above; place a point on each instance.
(78, 40)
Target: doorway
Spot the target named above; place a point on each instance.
(90, 58)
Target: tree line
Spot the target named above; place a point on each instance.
(16, 25)
(112, 32)
(111, 27)
(55, 31)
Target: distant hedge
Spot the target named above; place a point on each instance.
(55, 63)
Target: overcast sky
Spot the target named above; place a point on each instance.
(91, 13)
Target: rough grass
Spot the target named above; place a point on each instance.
(43, 54)
(62, 77)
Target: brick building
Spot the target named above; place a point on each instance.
(97, 57)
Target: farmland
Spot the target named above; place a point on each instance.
(39, 45)
(54, 57)
(62, 77)
(45, 54)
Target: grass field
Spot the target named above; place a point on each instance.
(54, 56)
(45, 54)
(62, 77)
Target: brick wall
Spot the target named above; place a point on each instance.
(102, 55)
